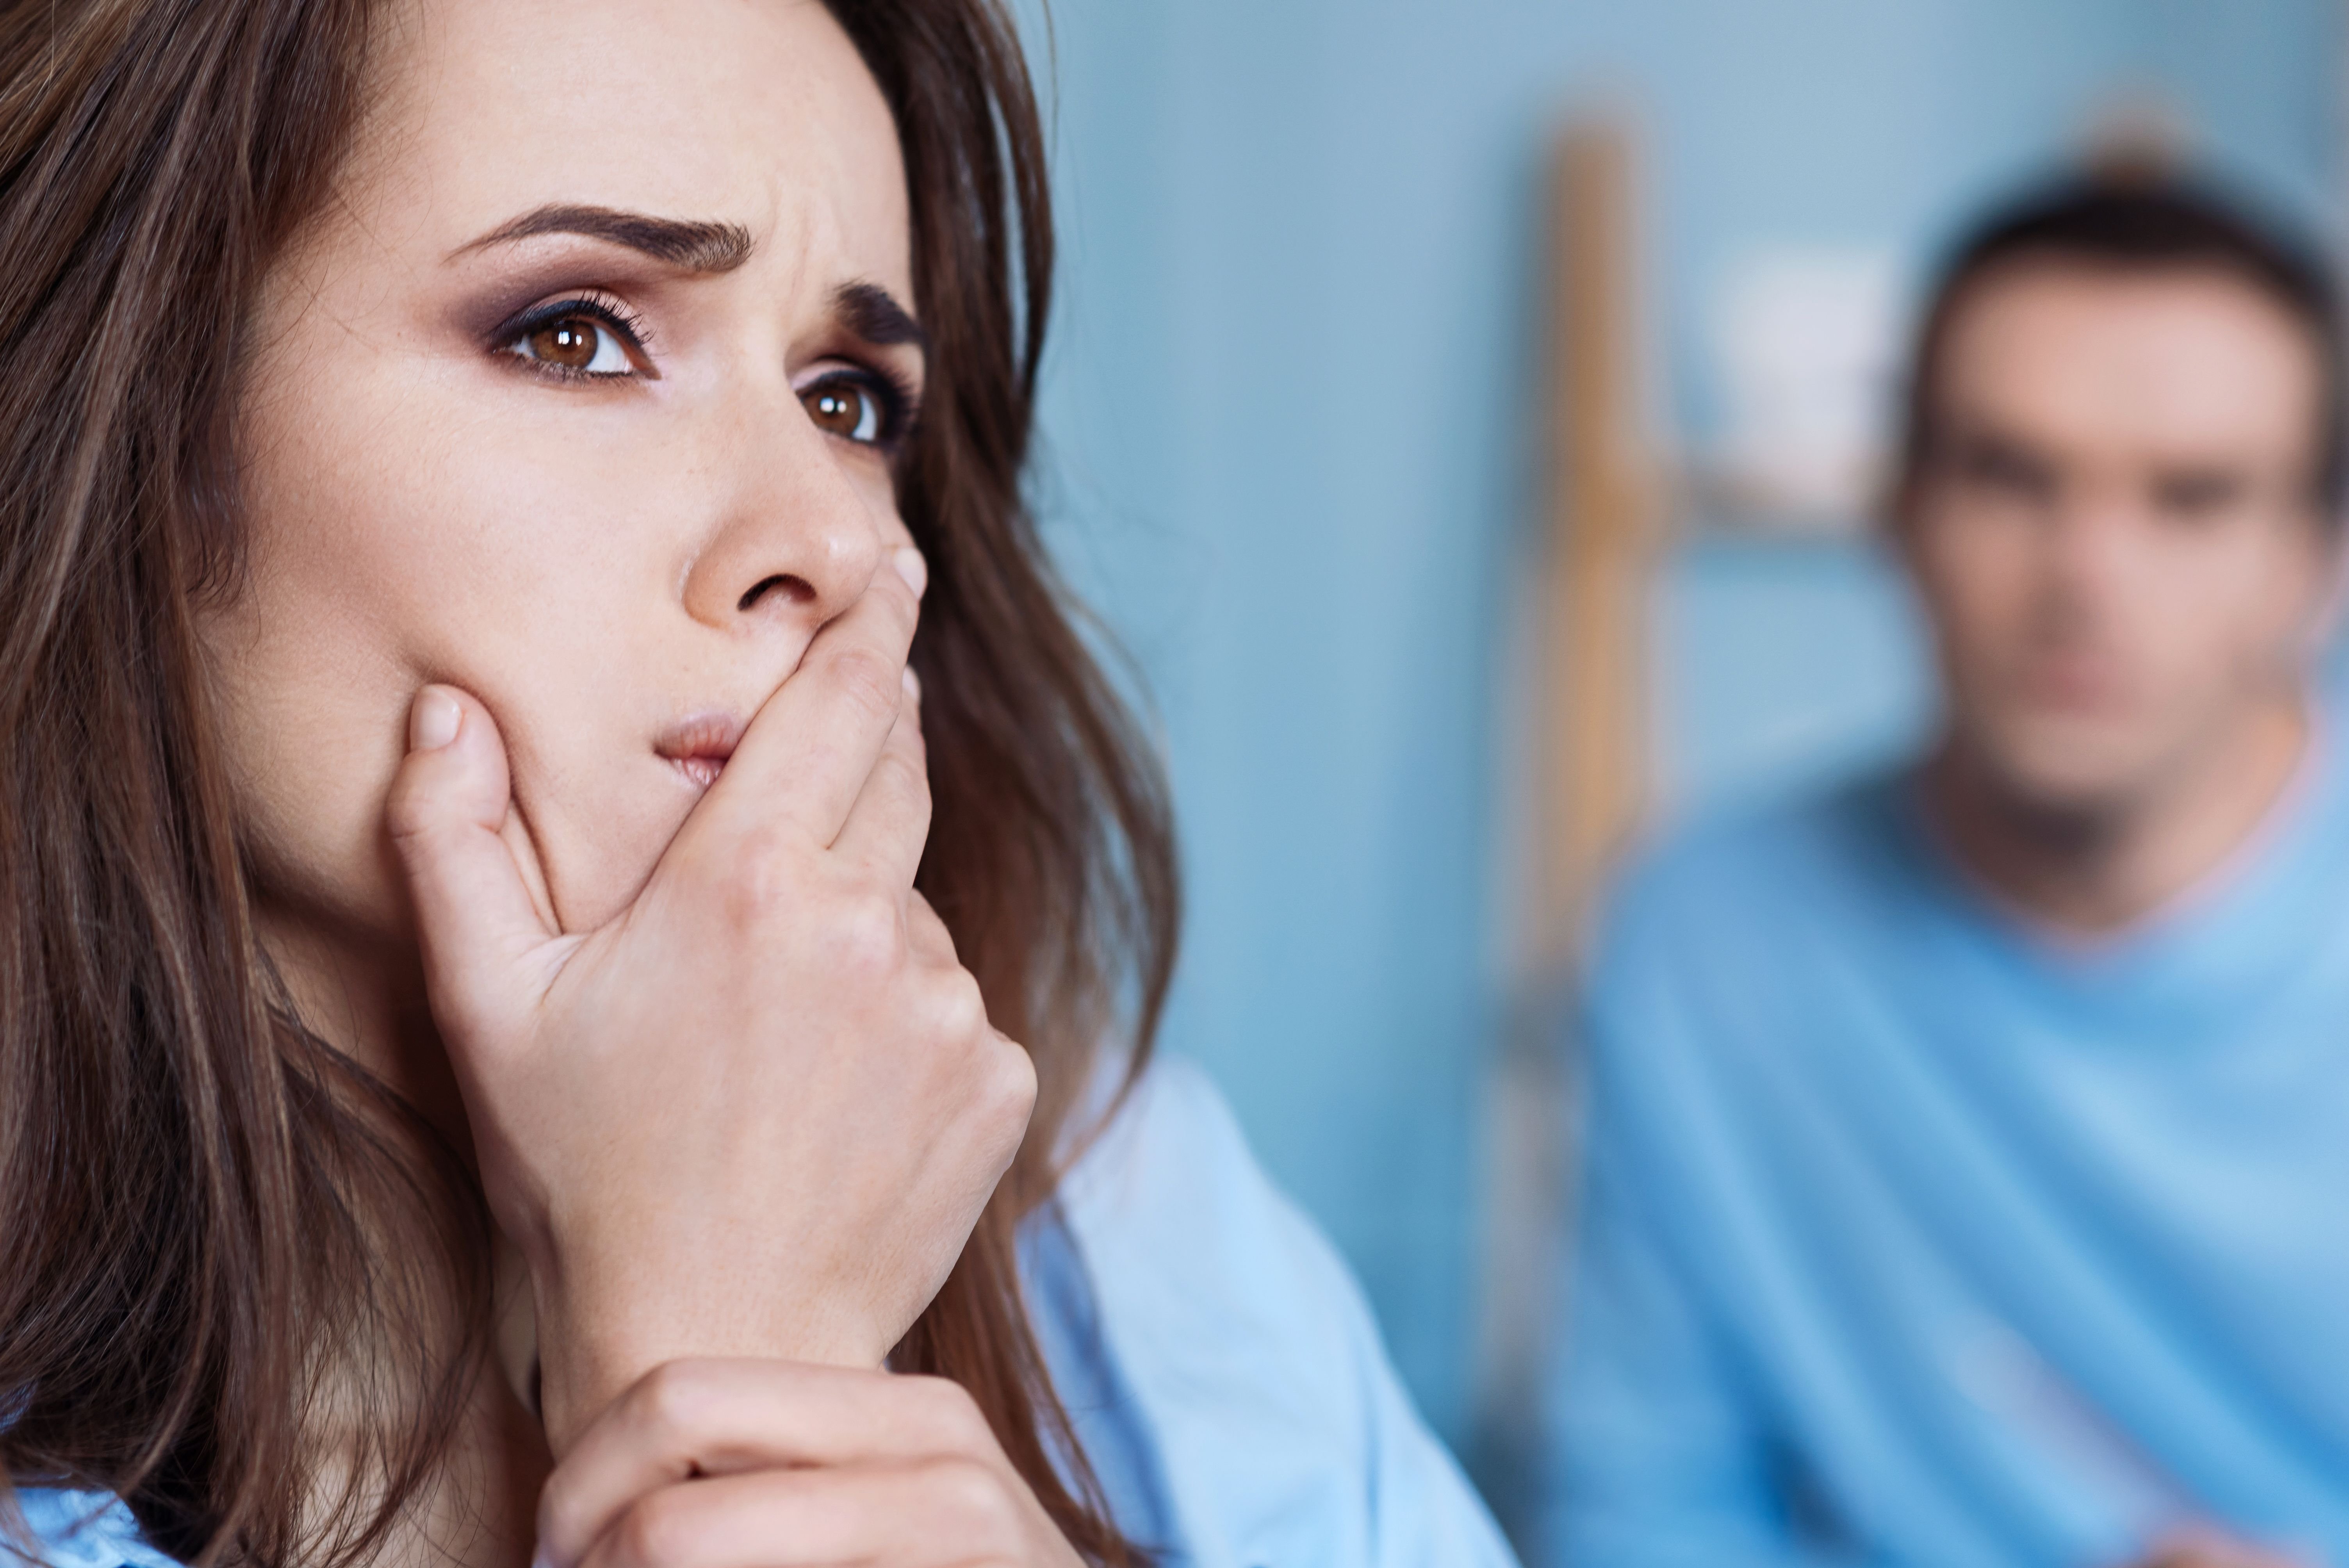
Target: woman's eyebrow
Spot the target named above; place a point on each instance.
(698, 247)
(870, 312)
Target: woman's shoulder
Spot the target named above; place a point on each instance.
(1178, 1220)
(1169, 1142)
(80, 1530)
(1235, 1336)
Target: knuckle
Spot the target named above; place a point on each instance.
(867, 681)
(867, 934)
(972, 1493)
(669, 1404)
(949, 1418)
(765, 877)
(1004, 1105)
(961, 1005)
(1012, 1082)
(750, 901)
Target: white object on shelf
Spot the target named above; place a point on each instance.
(1807, 341)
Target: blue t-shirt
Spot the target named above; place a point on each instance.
(1910, 1235)
(1219, 1365)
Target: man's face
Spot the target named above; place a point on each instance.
(2112, 534)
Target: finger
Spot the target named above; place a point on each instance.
(475, 918)
(908, 1513)
(809, 749)
(890, 823)
(721, 1418)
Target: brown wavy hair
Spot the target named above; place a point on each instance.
(222, 1237)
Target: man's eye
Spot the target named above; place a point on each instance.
(848, 408)
(575, 343)
(2003, 473)
(2192, 497)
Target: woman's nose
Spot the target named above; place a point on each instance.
(795, 542)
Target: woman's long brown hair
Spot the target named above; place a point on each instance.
(204, 1207)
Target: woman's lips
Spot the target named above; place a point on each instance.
(698, 747)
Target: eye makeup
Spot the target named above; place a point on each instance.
(517, 337)
(563, 327)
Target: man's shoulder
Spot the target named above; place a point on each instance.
(1747, 949)
(1771, 871)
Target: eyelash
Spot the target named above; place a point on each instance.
(900, 404)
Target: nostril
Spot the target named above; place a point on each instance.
(798, 590)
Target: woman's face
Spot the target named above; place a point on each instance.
(581, 396)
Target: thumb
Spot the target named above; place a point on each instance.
(474, 915)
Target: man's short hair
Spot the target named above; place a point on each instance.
(2142, 226)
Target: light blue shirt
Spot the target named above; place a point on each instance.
(1219, 1364)
(1224, 1373)
(1911, 1235)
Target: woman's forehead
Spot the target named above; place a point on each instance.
(756, 114)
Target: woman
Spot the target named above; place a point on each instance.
(511, 978)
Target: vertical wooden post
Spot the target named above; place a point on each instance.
(1601, 522)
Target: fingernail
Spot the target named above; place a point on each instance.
(433, 720)
(912, 683)
(912, 568)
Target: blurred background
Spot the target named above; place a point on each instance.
(1329, 266)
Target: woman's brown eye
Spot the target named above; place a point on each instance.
(844, 409)
(570, 343)
(578, 343)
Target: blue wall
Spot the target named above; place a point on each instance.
(1288, 415)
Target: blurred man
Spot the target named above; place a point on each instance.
(1969, 1150)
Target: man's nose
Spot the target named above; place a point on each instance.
(794, 541)
(2094, 552)
(2094, 531)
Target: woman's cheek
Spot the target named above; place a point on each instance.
(597, 861)
(597, 806)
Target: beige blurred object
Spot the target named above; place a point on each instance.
(1584, 766)
(1602, 522)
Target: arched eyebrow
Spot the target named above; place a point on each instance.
(867, 309)
(694, 246)
(872, 314)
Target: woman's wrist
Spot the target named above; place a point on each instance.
(594, 1344)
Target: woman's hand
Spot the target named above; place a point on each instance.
(759, 1112)
(767, 1464)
